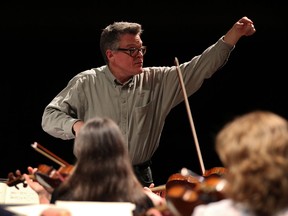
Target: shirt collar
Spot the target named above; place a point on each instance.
(113, 79)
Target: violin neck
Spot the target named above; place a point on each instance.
(159, 188)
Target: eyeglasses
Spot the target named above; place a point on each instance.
(133, 52)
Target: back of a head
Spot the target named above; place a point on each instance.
(103, 170)
(101, 139)
(254, 149)
(255, 134)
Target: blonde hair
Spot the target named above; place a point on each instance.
(254, 148)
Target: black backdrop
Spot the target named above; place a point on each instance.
(42, 49)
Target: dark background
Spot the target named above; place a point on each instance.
(44, 47)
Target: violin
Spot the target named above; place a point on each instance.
(184, 191)
(187, 177)
(45, 175)
(190, 178)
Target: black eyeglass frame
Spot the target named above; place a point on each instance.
(133, 52)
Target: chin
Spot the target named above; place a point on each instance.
(140, 70)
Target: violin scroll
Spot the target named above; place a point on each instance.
(17, 178)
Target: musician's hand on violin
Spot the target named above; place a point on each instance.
(159, 193)
(43, 193)
(156, 198)
(31, 170)
(33, 184)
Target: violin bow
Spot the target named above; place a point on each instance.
(45, 180)
(190, 116)
(41, 149)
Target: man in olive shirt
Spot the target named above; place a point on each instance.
(137, 98)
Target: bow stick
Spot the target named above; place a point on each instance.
(190, 116)
(49, 154)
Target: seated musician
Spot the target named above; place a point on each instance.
(103, 171)
(254, 148)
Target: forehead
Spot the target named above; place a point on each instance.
(130, 40)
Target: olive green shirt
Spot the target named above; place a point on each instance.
(138, 106)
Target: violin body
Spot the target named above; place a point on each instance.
(215, 171)
(184, 193)
(177, 179)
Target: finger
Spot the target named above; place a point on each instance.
(18, 173)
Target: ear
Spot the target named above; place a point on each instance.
(110, 55)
